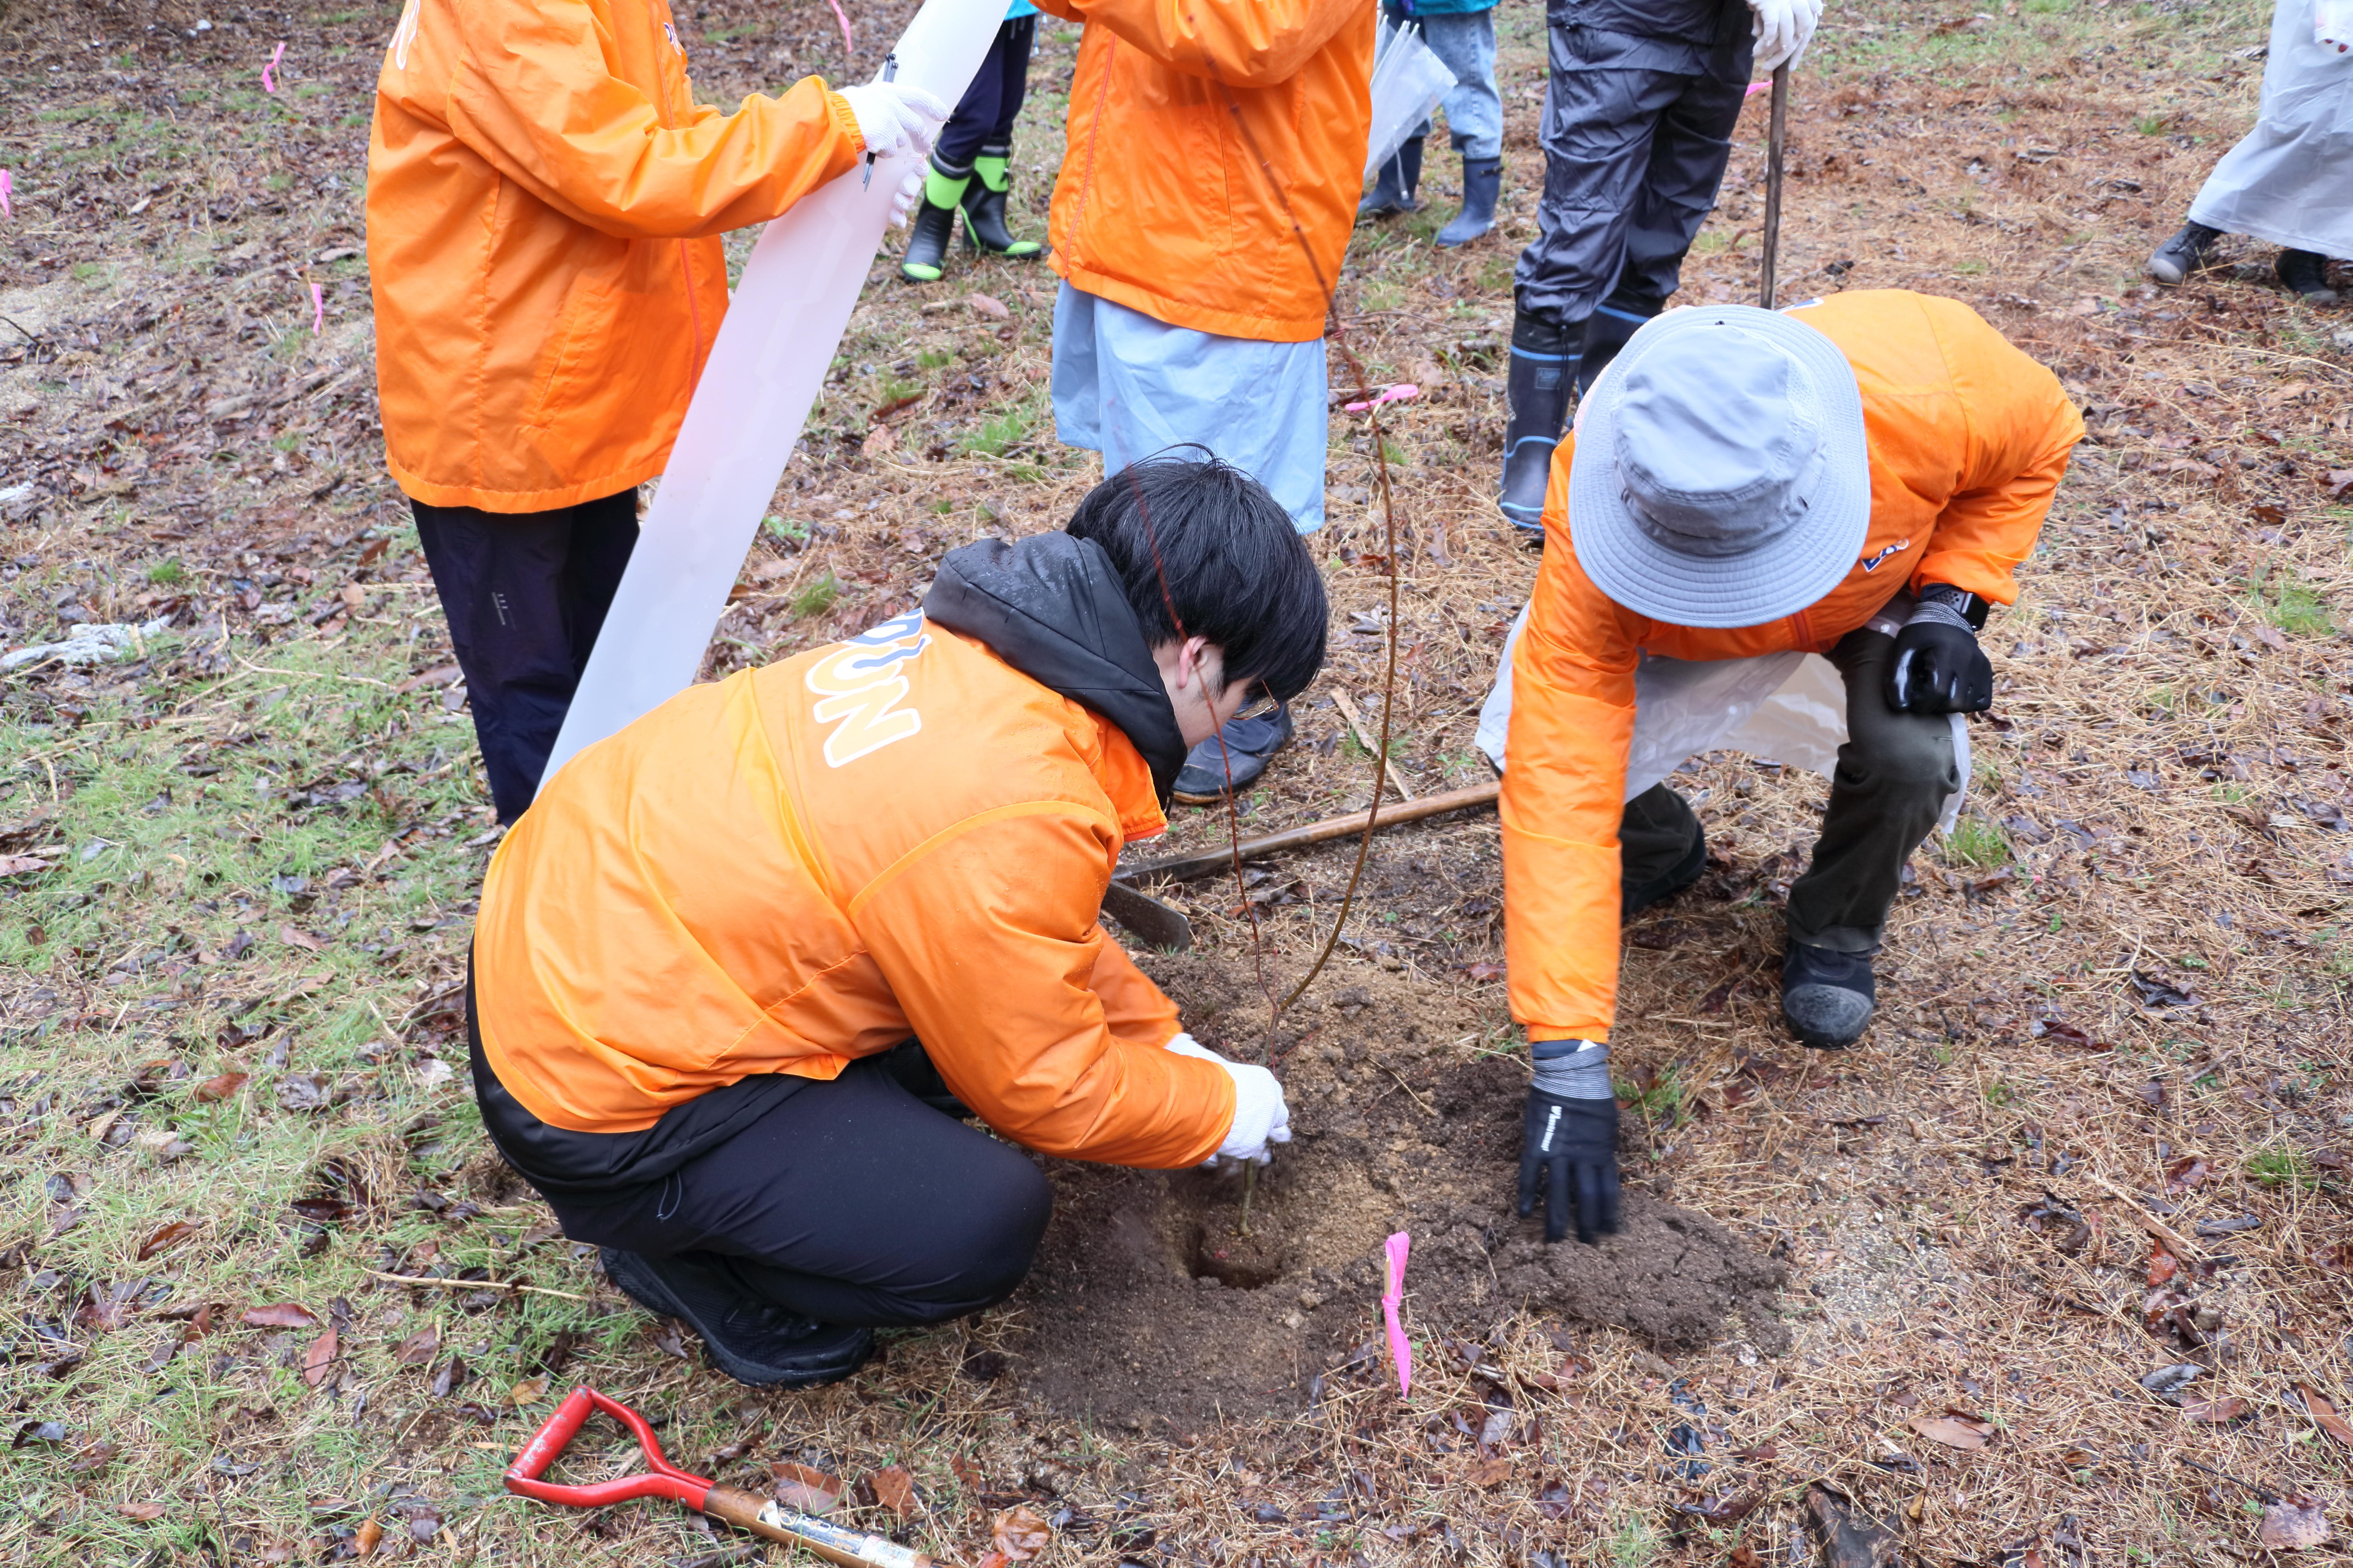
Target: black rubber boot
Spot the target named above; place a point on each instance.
(2182, 255)
(1482, 182)
(2306, 272)
(750, 1338)
(1542, 375)
(1611, 326)
(934, 225)
(984, 205)
(1827, 998)
(1400, 178)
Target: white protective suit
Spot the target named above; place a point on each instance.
(2290, 182)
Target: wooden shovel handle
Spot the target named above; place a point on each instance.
(834, 1543)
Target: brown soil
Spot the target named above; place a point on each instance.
(1150, 1302)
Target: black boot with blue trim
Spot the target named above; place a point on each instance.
(1542, 378)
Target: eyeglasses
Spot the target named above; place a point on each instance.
(1260, 704)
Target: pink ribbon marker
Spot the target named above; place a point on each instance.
(318, 309)
(848, 43)
(1756, 87)
(1400, 1352)
(6, 210)
(268, 85)
(1397, 394)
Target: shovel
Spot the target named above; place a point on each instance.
(759, 1515)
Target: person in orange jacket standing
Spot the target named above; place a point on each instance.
(734, 963)
(543, 206)
(1214, 159)
(1858, 477)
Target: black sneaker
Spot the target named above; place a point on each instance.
(1238, 752)
(1685, 872)
(750, 1339)
(2306, 272)
(2182, 255)
(1827, 998)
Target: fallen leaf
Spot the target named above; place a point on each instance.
(2184, 1174)
(1725, 1507)
(141, 1511)
(300, 939)
(530, 1391)
(364, 1539)
(805, 1487)
(2229, 1408)
(280, 1315)
(1952, 1432)
(22, 865)
(2324, 1415)
(420, 1347)
(894, 1489)
(221, 1087)
(988, 305)
(1019, 1533)
(93, 1459)
(2162, 1264)
(2294, 1523)
(39, 1432)
(452, 1375)
(2339, 480)
(1489, 1474)
(170, 1236)
(1554, 1500)
(320, 1359)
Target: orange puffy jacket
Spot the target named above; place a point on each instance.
(543, 202)
(1216, 153)
(1968, 438)
(807, 863)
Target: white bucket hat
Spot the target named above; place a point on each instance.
(1722, 476)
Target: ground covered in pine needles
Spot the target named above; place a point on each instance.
(2052, 1270)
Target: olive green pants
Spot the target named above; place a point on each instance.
(1894, 775)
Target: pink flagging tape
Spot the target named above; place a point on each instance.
(276, 55)
(1397, 394)
(1400, 1352)
(6, 210)
(848, 43)
(1756, 87)
(318, 308)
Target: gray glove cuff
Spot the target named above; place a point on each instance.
(1584, 1074)
(1940, 615)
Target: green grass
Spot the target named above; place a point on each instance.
(815, 599)
(934, 358)
(1976, 843)
(2282, 1168)
(165, 573)
(993, 435)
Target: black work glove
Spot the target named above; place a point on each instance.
(1570, 1142)
(1939, 667)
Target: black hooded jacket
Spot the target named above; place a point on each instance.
(1052, 607)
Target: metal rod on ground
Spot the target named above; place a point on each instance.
(1776, 145)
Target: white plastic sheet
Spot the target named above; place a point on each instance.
(1785, 707)
(1409, 79)
(766, 370)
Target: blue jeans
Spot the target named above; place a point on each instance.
(1465, 42)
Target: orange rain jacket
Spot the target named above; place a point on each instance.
(545, 198)
(1216, 154)
(807, 863)
(1968, 439)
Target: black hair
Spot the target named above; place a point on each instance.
(1203, 551)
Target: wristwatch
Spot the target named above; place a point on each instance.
(1960, 601)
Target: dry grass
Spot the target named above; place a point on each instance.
(1966, 1201)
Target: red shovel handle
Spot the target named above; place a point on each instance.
(666, 1479)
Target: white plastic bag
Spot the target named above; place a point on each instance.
(1785, 707)
(1409, 79)
(786, 318)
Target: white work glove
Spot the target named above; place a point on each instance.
(895, 118)
(903, 199)
(1261, 1116)
(2332, 25)
(1783, 29)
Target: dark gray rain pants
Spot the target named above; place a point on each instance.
(1638, 124)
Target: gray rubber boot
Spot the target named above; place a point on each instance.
(1482, 183)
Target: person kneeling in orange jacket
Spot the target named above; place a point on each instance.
(1857, 478)
(740, 957)
(543, 206)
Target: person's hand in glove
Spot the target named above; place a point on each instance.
(895, 117)
(1783, 29)
(1571, 1144)
(1939, 667)
(1262, 1118)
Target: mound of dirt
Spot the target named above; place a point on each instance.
(1150, 1302)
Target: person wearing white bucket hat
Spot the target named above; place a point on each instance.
(1857, 478)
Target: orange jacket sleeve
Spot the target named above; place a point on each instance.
(1242, 43)
(2022, 428)
(1564, 794)
(532, 94)
(996, 966)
